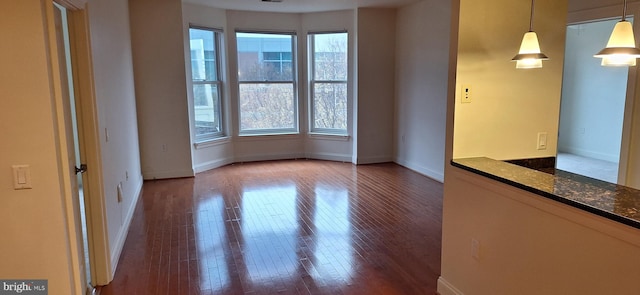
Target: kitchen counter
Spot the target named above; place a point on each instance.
(616, 202)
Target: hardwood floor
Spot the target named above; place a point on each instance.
(285, 227)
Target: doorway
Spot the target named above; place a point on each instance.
(592, 105)
(74, 142)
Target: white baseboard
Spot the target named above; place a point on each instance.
(435, 175)
(374, 160)
(148, 175)
(589, 154)
(116, 250)
(212, 164)
(330, 157)
(445, 288)
(269, 157)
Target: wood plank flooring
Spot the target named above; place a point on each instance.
(285, 227)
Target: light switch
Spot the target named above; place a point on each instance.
(542, 140)
(21, 177)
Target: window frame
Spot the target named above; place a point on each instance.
(311, 65)
(294, 82)
(218, 82)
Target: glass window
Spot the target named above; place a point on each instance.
(207, 87)
(266, 78)
(328, 83)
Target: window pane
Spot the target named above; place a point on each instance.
(206, 85)
(206, 104)
(330, 105)
(267, 106)
(271, 55)
(203, 55)
(264, 57)
(330, 56)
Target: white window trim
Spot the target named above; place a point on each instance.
(329, 136)
(211, 142)
(201, 141)
(311, 85)
(294, 67)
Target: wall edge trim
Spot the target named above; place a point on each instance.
(446, 288)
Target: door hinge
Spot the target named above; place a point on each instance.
(82, 169)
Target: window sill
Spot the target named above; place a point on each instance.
(269, 136)
(211, 142)
(330, 136)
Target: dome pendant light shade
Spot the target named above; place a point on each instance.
(529, 56)
(621, 49)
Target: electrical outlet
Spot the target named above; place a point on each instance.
(465, 94)
(119, 192)
(475, 249)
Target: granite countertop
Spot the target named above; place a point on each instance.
(616, 202)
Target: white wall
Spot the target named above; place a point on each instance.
(593, 96)
(422, 62)
(35, 240)
(529, 244)
(575, 5)
(332, 147)
(235, 148)
(372, 132)
(37, 243)
(256, 148)
(161, 92)
(509, 106)
(376, 41)
(116, 106)
(633, 161)
(219, 152)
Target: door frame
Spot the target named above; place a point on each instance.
(613, 12)
(89, 138)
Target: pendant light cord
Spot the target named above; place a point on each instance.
(531, 18)
(624, 10)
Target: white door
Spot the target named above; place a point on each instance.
(74, 156)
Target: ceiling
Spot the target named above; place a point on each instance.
(298, 6)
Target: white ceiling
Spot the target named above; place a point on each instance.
(299, 5)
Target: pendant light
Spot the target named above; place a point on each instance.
(530, 56)
(621, 49)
